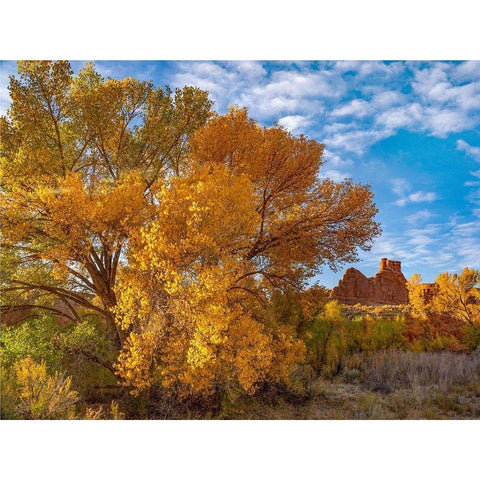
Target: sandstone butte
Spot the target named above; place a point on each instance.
(387, 287)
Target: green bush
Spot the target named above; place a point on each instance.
(369, 333)
(80, 350)
(471, 338)
(32, 338)
(86, 339)
(330, 336)
(87, 353)
(8, 392)
(325, 339)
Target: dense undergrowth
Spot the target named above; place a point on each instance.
(360, 362)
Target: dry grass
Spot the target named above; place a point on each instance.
(389, 371)
(384, 385)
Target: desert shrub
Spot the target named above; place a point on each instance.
(40, 395)
(449, 343)
(331, 335)
(350, 375)
(435, 332)
(85, 338)
(370, 407)
(305, 385)
(99, 413)
(471, 338)
(8, 392)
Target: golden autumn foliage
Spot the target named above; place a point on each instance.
(458, 296)
(445, 314)
(79, 155)
(189, 320)
(248, 216)
(174, 225)
(315, 220)
(454, 296)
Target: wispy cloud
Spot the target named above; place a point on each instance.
(420, 216)
(295, 123)
(401, 187)
(451, 246)
(417, 197)
(470, 150)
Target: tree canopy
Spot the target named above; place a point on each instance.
(172, 223)
(80, 155)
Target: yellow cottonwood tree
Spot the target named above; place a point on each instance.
(190, 326)
(79, 158)
(458, 296)
(416, 295)
(454, 296)
(247, 215)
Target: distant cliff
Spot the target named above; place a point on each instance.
(387, 287)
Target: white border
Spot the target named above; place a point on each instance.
(250, 29)
(239, 449)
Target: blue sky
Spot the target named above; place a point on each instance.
(409, 129)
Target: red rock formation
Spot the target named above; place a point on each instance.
(388, 286)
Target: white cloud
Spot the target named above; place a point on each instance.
(444, 96)
(335, 175)
(417, 197)
(272, 106)
(295, 122)
(437, 85)
(420, 216)
(400, 186)
(441, 122)
(400, 117)
(335, 160)
(467, 71)
(221, 82)
(250, 68)
(363, 69)
(302, 84)
(387, 98)
(440, 247)
(356, 141)
(357, 108)
(361, 108)
(336, 127)
(473, 152)
(439, 103)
